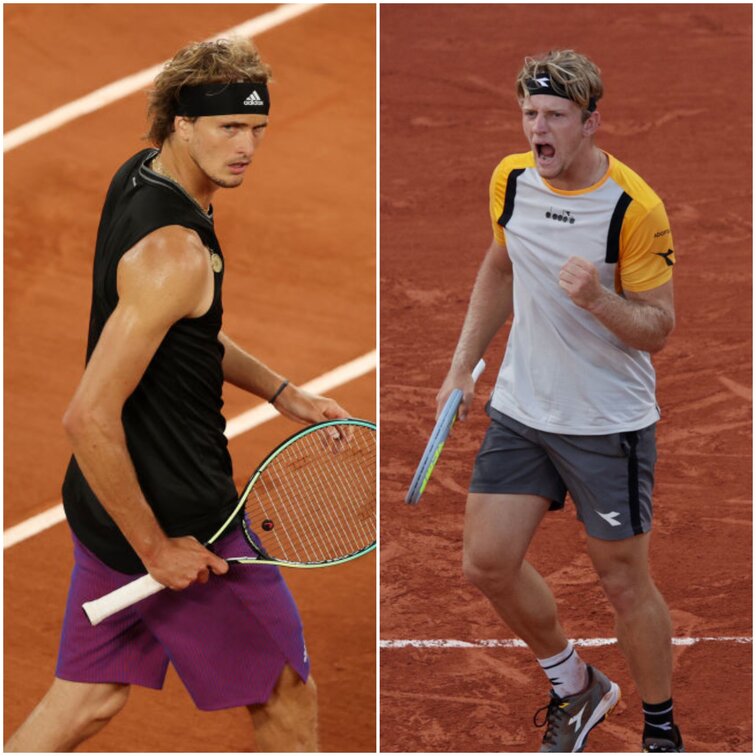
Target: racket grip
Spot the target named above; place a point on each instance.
(478, 369)
(121, 598)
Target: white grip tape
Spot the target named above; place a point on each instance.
(121, 598)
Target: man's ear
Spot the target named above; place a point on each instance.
(592, 123)
(183, 128)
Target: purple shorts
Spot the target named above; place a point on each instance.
(228, 640)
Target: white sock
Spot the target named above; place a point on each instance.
(567, 672)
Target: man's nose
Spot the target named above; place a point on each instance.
(539, 124)
(246, 144)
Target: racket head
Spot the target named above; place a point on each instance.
(434, 447)
(312, 501)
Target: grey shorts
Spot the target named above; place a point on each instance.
(610, 478)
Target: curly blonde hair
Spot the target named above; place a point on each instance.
(223, 60)
(570, 72)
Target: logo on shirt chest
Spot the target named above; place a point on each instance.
(560, 216)
(216, 261)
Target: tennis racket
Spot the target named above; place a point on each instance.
(437, 440)
(311, 503)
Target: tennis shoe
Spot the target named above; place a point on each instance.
(664, 745)
(569, 720)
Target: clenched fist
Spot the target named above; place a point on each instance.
(580, 279)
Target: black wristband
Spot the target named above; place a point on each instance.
(275, 396)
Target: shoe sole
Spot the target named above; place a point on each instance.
(602, 711)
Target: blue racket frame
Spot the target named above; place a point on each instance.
(436, 441)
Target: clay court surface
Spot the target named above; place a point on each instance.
(448, 115)
(299, 242)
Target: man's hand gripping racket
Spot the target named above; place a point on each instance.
(437, 439)
(311, 503)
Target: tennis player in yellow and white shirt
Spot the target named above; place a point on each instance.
(582, 256)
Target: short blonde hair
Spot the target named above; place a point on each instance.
(570, 72)
(224, 60)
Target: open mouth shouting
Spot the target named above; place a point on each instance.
(545, 153)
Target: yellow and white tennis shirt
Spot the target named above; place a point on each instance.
(563, 371)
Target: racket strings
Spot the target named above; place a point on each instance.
(315, 502)
(325, 530)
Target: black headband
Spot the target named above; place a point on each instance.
(542, 84)
(217, 99)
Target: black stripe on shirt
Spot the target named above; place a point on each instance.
(615, 227)
(509, 197)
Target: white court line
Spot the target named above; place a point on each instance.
(130, 84)
(745, 392)
(235, 427)
(587, 642)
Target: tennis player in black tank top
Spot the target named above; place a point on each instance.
(151, 476)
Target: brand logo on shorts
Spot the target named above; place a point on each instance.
(610, 517)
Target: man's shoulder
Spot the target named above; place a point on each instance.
(132, 164)
(171, 246)
(168, 259)
(124, 176)
(510, 164)
(514, 162)
(633, 184)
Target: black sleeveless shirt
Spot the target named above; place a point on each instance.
(173, 422)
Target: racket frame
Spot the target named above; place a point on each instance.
(437, 439)
(265, 557)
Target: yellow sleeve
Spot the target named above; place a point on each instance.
(496, 192)
(646, 255)
(497, 189)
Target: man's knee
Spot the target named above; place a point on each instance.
(291, 691)
(488, 572)
(69, 713)
(287, 721)
(622, 568)
(99, 703)
(498, 531)
(306, 691)
(112, 703)
(290, 683)
(626, 588)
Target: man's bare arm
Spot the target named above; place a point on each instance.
(164, 278)
(489, 307)
(642, 320)
(250, 374)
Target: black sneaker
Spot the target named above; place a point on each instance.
(672, 744)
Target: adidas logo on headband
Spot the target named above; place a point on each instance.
(254, 100)
(220, 98)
